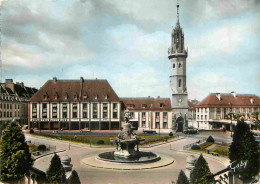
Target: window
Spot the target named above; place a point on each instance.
(54, 110)
(94, 109)
(173, 65)
(144, 105)
(201, 117)
(4, 106)
(206, 117)
(164, 115)
(115, 109)
(105, 110)
(74, 110)
(0, 114)
(143, 115)
(198, 117)
(64, 110)
(218, 110)
(34, 110)
(165, 125)
(11, 114)
(179, 83)
(10, 106)
(7, 114)
(179, 65)
(157, 115)
(162, 104)
(131, 114)
(85, 110)
(7, 106)
(157, 125)
(44, 110)
(143, 123)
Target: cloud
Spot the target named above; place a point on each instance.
(202, 84)
(34, 37)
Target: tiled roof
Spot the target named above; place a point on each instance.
(76, 90)
(147, 104)
(226, 100)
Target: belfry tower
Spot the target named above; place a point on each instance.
(179, 95)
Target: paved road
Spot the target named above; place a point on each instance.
(92, 175)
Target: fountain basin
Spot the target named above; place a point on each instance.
(141, 157)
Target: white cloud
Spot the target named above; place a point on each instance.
(134, 42)
(140, 83)
(220, 42)
(202, 84)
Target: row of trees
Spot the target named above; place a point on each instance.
(16, 159)
(244, 155)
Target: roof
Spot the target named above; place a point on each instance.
(226, 100)
(76, 90)
(147, 104)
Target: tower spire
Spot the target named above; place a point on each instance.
(178, 22)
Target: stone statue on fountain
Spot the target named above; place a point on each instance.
(127, 139)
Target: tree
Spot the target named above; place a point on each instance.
(210, 139)
(244, 149)
(16, 159)
(201, 172)
(56, 173)
(182, 178)
(74, 179)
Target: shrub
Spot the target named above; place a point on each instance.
(210, 139)
(195, 147)
(31, 131)
(42, 147)
(171, 134)
(182, 178)
(100, 142)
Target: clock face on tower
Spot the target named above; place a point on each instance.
(179, 100)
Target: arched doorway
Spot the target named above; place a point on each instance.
(179, 123)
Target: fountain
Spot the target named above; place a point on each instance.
(127, 149)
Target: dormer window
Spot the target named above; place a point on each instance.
(75, 97)
(85, 96)
(179, 65)
(56, 96)
(96, 97)
(106, 96)
(45, 96)
(66, 96)
(144, 105)
(162, 104)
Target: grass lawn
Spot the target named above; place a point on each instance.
(103, 140)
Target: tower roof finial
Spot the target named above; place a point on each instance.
(178, 21)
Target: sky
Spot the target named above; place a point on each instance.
(126, 42)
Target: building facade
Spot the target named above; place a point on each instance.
(14, 98)
(75, 105)
(150, 113)
(214, 111)
(177, 55)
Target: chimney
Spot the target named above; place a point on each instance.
(8, 81)
(148, 96)
(55, 79)
(22, 84)
(251, 100)
(81, 79)
(218, 96)
(9, 84)
(233, 93)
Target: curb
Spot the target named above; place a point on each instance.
(49, 154)
(206, 155)
(154, 145)
(128, 169)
